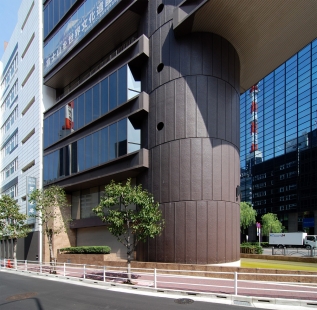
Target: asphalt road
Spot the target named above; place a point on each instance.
(22, 292)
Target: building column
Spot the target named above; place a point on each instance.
(194, 170)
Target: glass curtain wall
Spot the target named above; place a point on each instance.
(102, 146)
(95, 102)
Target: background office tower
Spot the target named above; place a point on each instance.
(23, 101)
(150, 90)
(284, 180)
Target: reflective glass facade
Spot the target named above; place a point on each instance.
(273, 178)
(100, 147)
(96, 101)
(84, 19)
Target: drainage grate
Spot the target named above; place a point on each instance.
(21, 296)
(241, 303)
(183, 301)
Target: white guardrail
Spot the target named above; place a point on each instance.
(191, 282)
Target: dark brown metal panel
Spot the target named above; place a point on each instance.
(212, 107)
(238, 121)
(180, 232)
(234, 111)
(221, 109)
(165, 33)
(156, 173)
(207, 55)
(222, 232)
(165, 172)
(184, 57)
(170, 232)
(191, 107)
(216, 56)
(228, 104)
(156, 58)
(216, 171)
(196, 65)
(180, 112)
(160, 114)
(231, 65)
(174, 60)
(170, 111)
(202, 106)
(224, 60)
(175, 171)
(213, 232)
(225, 171)
(191, 232)
(207, 169)
(184, 170)
(237, 72)
(202, 232)
(196, 169)
(230, 238)
(152, 131)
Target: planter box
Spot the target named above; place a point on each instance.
(89, 259)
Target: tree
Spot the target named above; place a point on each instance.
(247, 215)
(50, 204)
(132, 215)
(270, 223)
(13, 223)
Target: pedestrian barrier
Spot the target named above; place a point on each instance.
(188, 281)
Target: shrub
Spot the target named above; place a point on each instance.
(86, 250)
(248, 247)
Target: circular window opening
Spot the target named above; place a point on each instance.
(160, 67)
(160, 8)
(160, 126)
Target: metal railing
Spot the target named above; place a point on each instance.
(261, 284)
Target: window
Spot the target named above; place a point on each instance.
(12, 191)
(10, 145)
(109, 143)
(95, 102)
(10, 98)
(10, 121)
(9, 169)
(10, 72)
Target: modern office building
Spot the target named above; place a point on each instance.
(284, 180)
(23, 100)
(150, 90)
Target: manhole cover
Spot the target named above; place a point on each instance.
(241, 303)
(21, 296)
(184, 301)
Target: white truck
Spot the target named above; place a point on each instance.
(294, 239)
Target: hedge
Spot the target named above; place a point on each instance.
(248, 247)
(86, 250)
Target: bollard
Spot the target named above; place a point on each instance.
(273, 250)
(155, 286)
(26, 265)
(64, 269)
(104, 273)
(84, 271)
(284, 251)
(311, 251)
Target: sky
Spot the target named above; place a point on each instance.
(8, 19)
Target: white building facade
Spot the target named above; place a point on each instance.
(23, 100)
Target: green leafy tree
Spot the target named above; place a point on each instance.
(247, 215)
(270, 224)
(12, 222)
(132, 215)
(50, 204)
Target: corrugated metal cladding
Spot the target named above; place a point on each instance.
(193, 144)
(264, 33)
